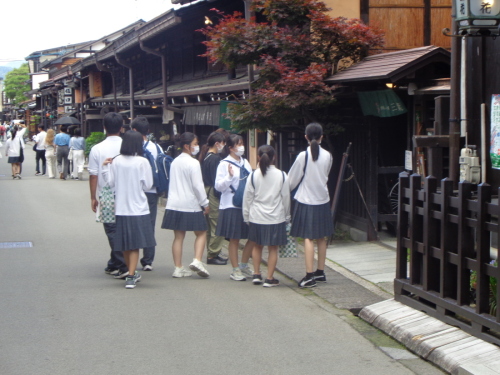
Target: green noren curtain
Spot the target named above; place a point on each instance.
(381, 103)
(224, 122)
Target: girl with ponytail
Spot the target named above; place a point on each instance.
(311, 215)
(266, 208)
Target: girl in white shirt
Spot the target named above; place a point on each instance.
(311, 217)
(186, 206)
(130, 175)
(14, 151)
(266, 207)
(230, 223)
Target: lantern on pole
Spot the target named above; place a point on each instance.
(478, 17)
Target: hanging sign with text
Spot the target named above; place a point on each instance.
(495, 131)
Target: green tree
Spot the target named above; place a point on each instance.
(15, 84)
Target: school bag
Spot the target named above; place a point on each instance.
(238, 193)
(160, 167)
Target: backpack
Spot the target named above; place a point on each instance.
(238, 193)
(160, 168)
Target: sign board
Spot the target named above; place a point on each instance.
(67, 91)
(495, 131)
(408, 160)
(68, 109)
(95, 84)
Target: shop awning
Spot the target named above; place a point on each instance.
(202, 115)
(381, 103)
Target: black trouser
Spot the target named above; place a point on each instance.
(40, 154)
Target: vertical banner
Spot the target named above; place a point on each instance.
(495, 131)
(95, 84)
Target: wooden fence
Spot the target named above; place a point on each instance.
(444, 266)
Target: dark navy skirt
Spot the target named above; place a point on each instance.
(311, 221)
(230, 224)
(267, 234)
(185, 221)
(133, 232)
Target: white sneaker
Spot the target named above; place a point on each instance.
(199, 268)
(147, 267)
(247, 271)
(237, 275)
(181, 272)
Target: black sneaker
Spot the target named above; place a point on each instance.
(270, 283)
(307, 282)
(320, 277)
(111, 271)
(256, 279)
(218, 261)
(121, 275)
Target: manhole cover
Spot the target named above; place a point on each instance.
(13, 245)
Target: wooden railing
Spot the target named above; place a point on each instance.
(444, 265)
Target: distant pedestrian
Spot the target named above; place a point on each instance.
(3, 130)
(14, 151)
(187, 203)
(62, 151)
(141, 125)
(266, 208)
(210, 159)
(40, 151)
(311, 218)
(50, 153)
(77, 145)
(130, 175)
(230, 223)
(108, 148)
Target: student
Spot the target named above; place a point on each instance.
(77, 144)
(14, 151)
(187, 203)
(230, 223)
(266, 207)
(50, 154)
(40, 150)
(130, 175)
(62, 150)
(311, 216)
(210, 159)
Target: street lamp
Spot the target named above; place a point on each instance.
(478, 17)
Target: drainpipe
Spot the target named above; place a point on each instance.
(131, 82)
(248, 16)
(102, 68)
(164, 74)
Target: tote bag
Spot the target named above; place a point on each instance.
(290, 249)
(106, 208)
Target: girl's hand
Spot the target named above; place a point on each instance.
(230, 169)
(107, 161)
(206, 210)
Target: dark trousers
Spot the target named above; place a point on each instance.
(116, 260)
(40, 155)
(149, 252)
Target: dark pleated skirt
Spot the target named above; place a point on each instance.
(14, 159)
(133, 232)
(230, 224)
(311, 221)
(185, 221)
(267, 234)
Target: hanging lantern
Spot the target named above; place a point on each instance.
(478, 16)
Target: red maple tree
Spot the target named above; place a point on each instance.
(295, 49)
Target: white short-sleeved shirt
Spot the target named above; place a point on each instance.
(313, 189)
(130, 177)
(109, 148)
(223, 180)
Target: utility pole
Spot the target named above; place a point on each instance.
(454, 152)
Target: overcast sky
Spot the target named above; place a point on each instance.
(32, 25)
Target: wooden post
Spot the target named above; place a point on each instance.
(415, 228)
(482, 249)
(464, 243)
(402, 230)
(430, 275)
(448, 240)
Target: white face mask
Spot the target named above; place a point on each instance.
(240, 150)
(195, 150)
(220, 149)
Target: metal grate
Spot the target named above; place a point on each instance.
(15, 245)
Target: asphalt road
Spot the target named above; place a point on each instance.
(61, 314)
